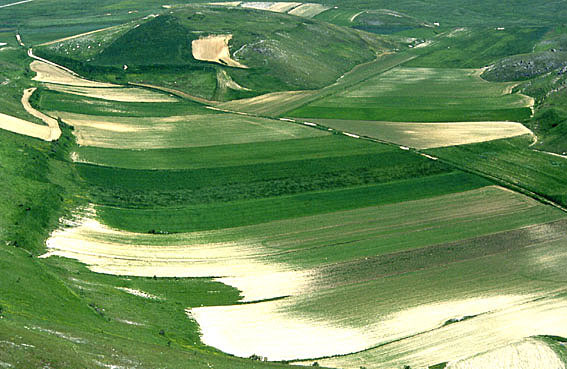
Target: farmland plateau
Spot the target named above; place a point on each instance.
(369, 184)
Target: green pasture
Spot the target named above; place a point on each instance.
(240, 213)
(163, 188)
(229, 155)
(421, 95)
(513, 161)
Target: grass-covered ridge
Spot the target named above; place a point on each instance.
(282, 52)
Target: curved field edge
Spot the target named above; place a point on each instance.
(316, 278)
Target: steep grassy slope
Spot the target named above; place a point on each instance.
(544, 72)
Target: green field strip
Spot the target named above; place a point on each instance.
(151, 189)
(449, 95)
(436, 255)
(47, 100)
(216, 216)
(180, 131)
(230, 155)
(413, 115)
(514, 163)
(364, 233)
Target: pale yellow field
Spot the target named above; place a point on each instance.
(51, 74)
(430, 135)
(49, 132)
(279, 7)
(308, 10)
(266, 329)
(23, 127)
(465, 339)
(215, 49)
(240, 264)
(527, 354)
(121, 94)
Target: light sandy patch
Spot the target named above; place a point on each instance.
(240, 264)
(224, 80)
(122, 94)
(138, 293)
(23, 127)
(56, 333)
(227, 3)
(552, 154)
(528, 354)
(308, 10)
(279, 7)
(456, 32)
(19, 40)
(391, 13)
(215, 49)
(467, 338)
(130, 322)
(283, 7)
(273, 330)
(431, 135)
(423, 44)
(51, 74)
(266, 329)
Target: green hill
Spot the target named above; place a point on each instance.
(282, 52)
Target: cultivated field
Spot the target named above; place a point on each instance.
(422, 95)
(430, 135)
(179, 131)
(265, 184)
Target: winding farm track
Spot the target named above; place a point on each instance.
(50, 132)
(33, 56)
(16, 3)
(55, 131)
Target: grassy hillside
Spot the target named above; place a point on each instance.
(282, 52)
(175, 235)
(55, 312)
(543, 72)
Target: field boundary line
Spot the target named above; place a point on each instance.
(502, 182)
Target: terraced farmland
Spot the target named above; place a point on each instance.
(267, 184)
